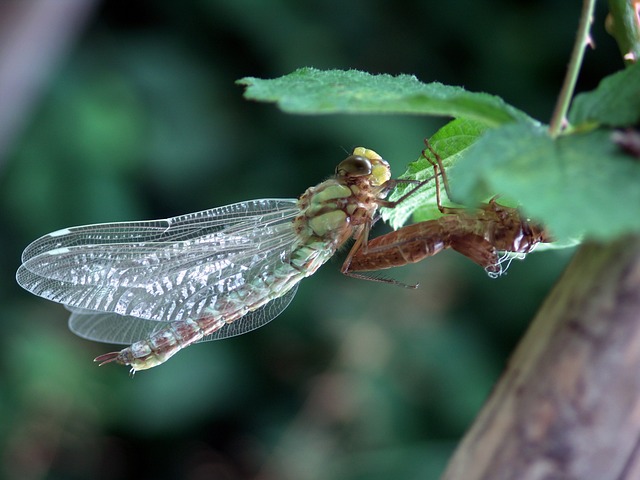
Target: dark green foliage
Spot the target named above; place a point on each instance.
(615, 103)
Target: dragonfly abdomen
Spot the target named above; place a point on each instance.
(262, 289)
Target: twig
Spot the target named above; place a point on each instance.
(558, 118)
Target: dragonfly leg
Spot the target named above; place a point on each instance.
(438, 169)
(389, 281)
(361, 245)
(364, 276)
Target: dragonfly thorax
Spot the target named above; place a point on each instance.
(335, 209)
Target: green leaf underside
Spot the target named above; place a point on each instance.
(450, 142)
(312, 91)
(615, 102)
(577, 185)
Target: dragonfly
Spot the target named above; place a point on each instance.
(489, 235)
(162, 285)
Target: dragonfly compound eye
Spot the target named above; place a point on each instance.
(354, 166)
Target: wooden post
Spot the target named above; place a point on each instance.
(568, 404)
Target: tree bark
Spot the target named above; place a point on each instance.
(568, 404)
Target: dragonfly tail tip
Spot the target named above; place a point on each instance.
(106, 358)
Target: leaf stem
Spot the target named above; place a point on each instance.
(558, 119)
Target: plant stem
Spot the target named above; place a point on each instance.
(558, 118)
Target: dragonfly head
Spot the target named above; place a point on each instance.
(365, 162)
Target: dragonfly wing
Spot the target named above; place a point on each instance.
(125, 330)
(111, 327)
(181, 228)
(162, 270)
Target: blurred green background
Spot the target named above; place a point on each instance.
(128, 110)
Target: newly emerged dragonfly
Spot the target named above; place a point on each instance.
(488, 235)
(163, 285)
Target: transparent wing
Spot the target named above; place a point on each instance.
(114, 328)
(161, 270)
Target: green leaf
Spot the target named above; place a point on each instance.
(622, 23)
(313, 91)
(449, 142)
(615, 103)
(577, 185)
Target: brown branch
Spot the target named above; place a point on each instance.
(568, 404)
